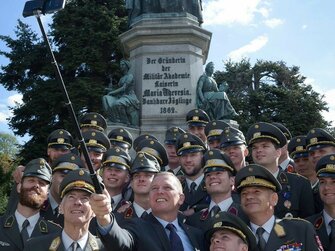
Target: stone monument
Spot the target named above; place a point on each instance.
(167, 51)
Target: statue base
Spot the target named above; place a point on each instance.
(167, 53)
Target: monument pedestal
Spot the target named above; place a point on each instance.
(167, 53)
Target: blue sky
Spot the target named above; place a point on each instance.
(298, 32)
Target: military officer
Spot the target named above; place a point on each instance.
(259, 195)
(60, 168)
(196, 120)
(171, 136)
(97, 144)
(219, 179)
(120, 137)
(115, 174)
(324, 222)
(303, 166)
(59, 142)
(226, 231)
(213, 130)
(319, 143)
(161, 230)
(266, 141)
(285, 162)
(143, 169)
(92, 120)
(232, 143)
(26, 222)
(154, 148)
(75, 191)
(191, 150)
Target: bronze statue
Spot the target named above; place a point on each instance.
(121, 104)
(138, 7)
(212, 99)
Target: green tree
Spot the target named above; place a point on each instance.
(272, 92)
(9, 147)
(84, 37)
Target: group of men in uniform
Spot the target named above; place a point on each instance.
(194, 191)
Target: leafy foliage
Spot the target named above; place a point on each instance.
(272, 92)
(84, 38)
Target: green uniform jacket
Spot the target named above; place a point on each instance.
(10, 237)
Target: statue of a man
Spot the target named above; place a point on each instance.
(212, 100)
(121, 104)
(138, 7)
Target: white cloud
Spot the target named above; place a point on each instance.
(255, 45)
(227, 12)
(304, 27)
(273, 22)
(12, 100)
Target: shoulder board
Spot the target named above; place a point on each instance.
(318, 222)
(9, 221)
(55, 244)
(93, 243)
(282, 178)
(295, 219)
(128, 213)
(204, 214)
(54, 223)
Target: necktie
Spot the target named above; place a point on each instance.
(56, 212)
(215, 210)
(175, 241)
(24, 232)
(144, 215)
(261, 241)
(332, 231)
(112, 203)
(192, 187)
(74, 246)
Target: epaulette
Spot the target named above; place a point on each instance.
(43, 226)
(93, 243)
(283, 178)
(318, 222)
(204, 214)
(129, 213)
(9, 221)
(296, 219)
(233, 210)
(55, 244)
(54, 223)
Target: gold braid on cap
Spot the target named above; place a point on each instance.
(57, 143)
(117, 160)
(329, 168)
(260, 136)
(253, 181)
(238, 232)
(321, 143)
(218, 163)
(92, 125)
(190, 147)
(77, 185)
